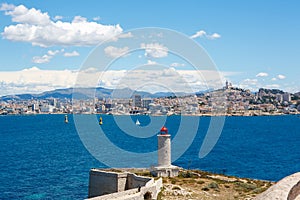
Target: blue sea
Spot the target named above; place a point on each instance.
(41, 157)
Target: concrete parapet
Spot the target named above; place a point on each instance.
(105, 185)
(288, 189)
(294, 192)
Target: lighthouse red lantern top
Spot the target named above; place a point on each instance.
(164, 130)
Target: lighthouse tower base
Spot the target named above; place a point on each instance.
(170, 171)
(164, 167)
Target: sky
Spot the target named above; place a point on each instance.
(44, 44)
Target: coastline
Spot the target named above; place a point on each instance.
(189, 115)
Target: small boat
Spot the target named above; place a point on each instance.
(100, 121)
(137, 122)
(66, 119)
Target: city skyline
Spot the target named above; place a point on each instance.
(253, 44)
(226, 101)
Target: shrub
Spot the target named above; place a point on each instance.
(246, 187)
(213, 185)
(186, 175)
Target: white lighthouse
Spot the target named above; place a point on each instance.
(164, 167)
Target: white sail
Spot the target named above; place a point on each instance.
(137, 122)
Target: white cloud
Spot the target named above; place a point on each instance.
(281, 77)
(6, 7)
(272, 86)
(169, 72)
(34, 80)
(53, 53)
(177, 64)
(96, 18)
(213, 36)
(34, 68)
(58, 17)
(250, 81)
(262, 74)
(41, 59)
(71, 54)
(115, 52)
(79, 19)
(255, 84)
(35, 27)
(125, 35)
(47, 57)
(21, 14)
(202, 33)
(151, 62)
(251, 84)
(155, 50)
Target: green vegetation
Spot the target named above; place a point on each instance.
(245, 187)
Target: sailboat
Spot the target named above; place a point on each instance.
(137, 122)
(66, 119)
(100, 121)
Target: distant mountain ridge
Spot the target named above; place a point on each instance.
(100, 92)
(88, 93)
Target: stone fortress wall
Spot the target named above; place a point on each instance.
(287, 188)
(105, 185)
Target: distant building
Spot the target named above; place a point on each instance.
(102, 109)
(53, 102)
(146, 102)
(155, 108)
(34, 107)
(279, 98)
(228, 85)
(286, 97)
(137, 101)
(47, 108)
(108, 106)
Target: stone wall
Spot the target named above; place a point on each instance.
(101, 182)
(134, 181)
(105, 185)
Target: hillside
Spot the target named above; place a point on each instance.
(87, 93)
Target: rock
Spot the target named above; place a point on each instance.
(176, 190)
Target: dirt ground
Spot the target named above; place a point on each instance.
(195, 184)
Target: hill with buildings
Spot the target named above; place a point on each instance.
(225, 101)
